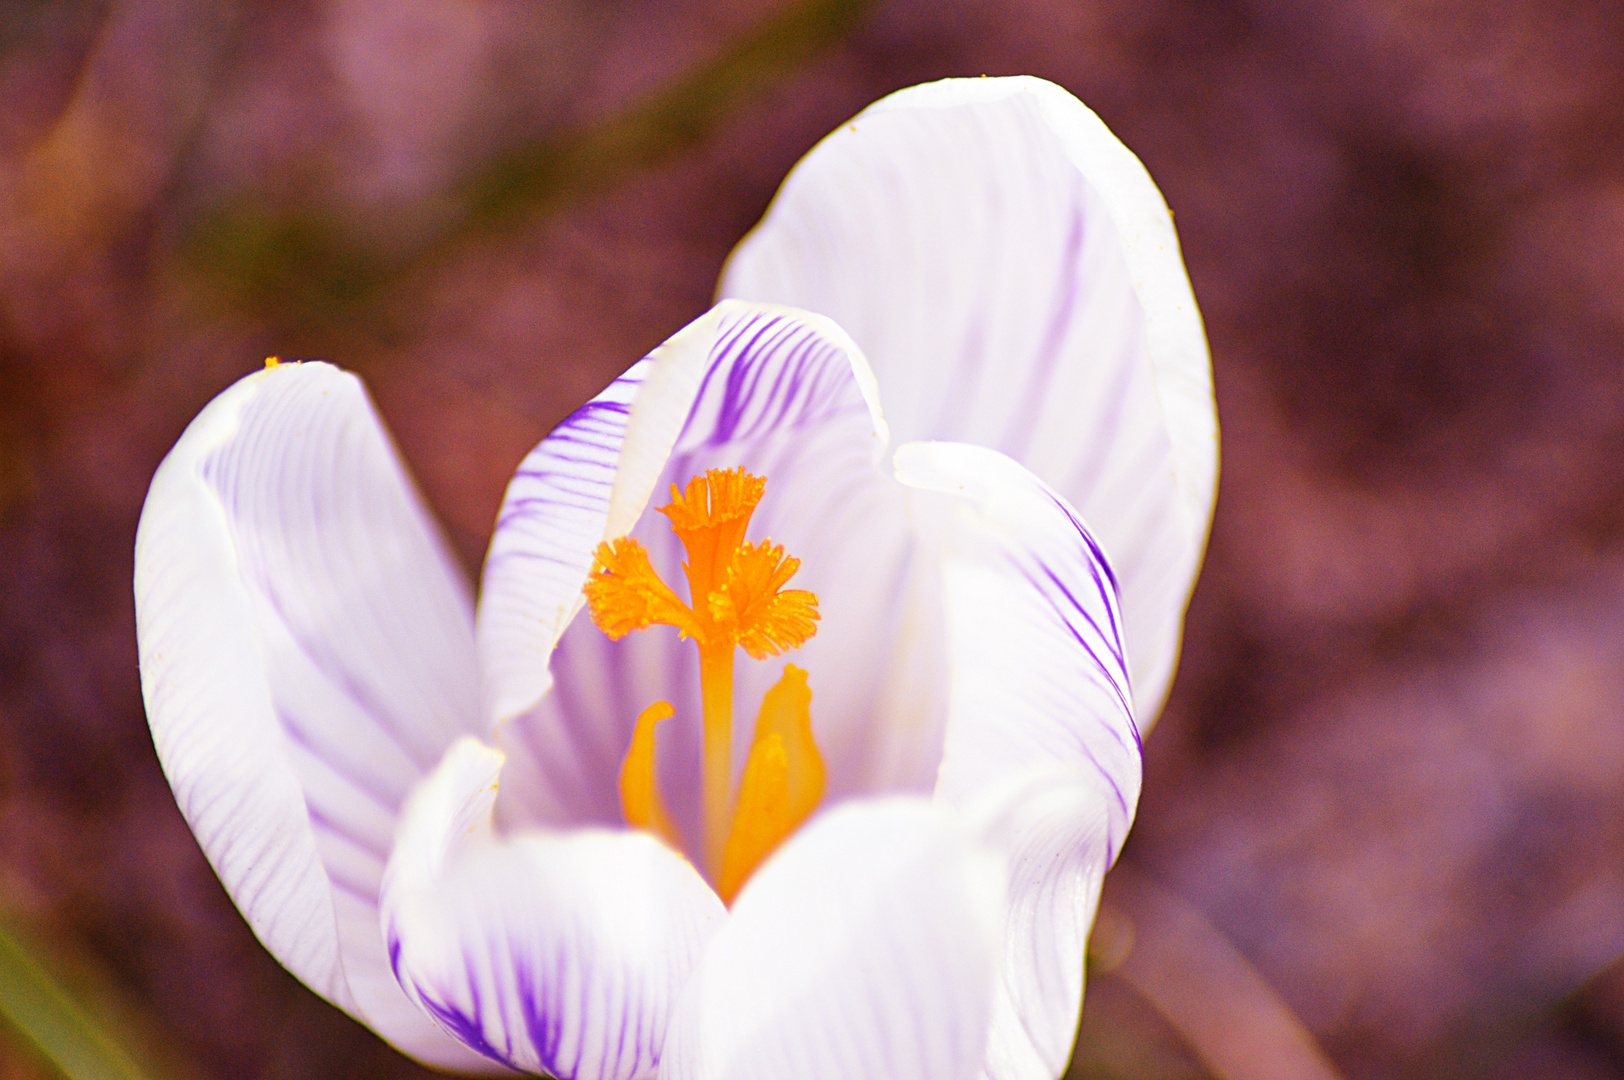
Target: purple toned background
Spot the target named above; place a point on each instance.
(1387, 795)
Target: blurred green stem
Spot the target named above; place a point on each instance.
(305, 268)
(43, 1013)
(557, 169)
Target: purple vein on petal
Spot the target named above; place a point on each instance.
(960, 405)
(1047, 584)
(768, 372)
(295, 730)
(739, 363)
(1072, 681)
(1023, 424)
(541, 1017)
(468, 1030)
(579, 481)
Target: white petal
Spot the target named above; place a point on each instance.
(1052, 826)
(306, 654)
(865, 948)
(1040, 742)
(555, 952)
(1034, 636)
(1013, 276)
(787, 395)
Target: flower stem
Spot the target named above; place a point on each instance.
(716, 691)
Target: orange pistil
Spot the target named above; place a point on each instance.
(753, 608)
(738, 600)
(710, 518)
(626, 594)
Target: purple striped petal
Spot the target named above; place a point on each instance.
(866, 948)
(553, 515)
(1013, 276)
(550, 952)
(1040, 746)
(306, 656)
(786, 395)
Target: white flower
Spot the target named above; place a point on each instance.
(333, 713)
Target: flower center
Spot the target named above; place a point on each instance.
(739, 600)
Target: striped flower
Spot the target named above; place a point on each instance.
(962, 331)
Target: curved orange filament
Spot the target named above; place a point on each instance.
(738, 601)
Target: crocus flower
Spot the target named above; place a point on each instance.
(961, 331)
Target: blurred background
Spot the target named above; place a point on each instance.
(1382, 833)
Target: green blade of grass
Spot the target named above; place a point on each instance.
(44, 1014)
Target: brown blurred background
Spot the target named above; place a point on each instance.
(1383, 822)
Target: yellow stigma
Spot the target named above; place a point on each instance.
(738, 600)
(273, 361)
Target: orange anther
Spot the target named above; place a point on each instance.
(783, 782)
(640, 800)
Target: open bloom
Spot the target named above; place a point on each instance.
(962, 330)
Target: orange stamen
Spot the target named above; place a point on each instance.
(783, 782)
(640, 800)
